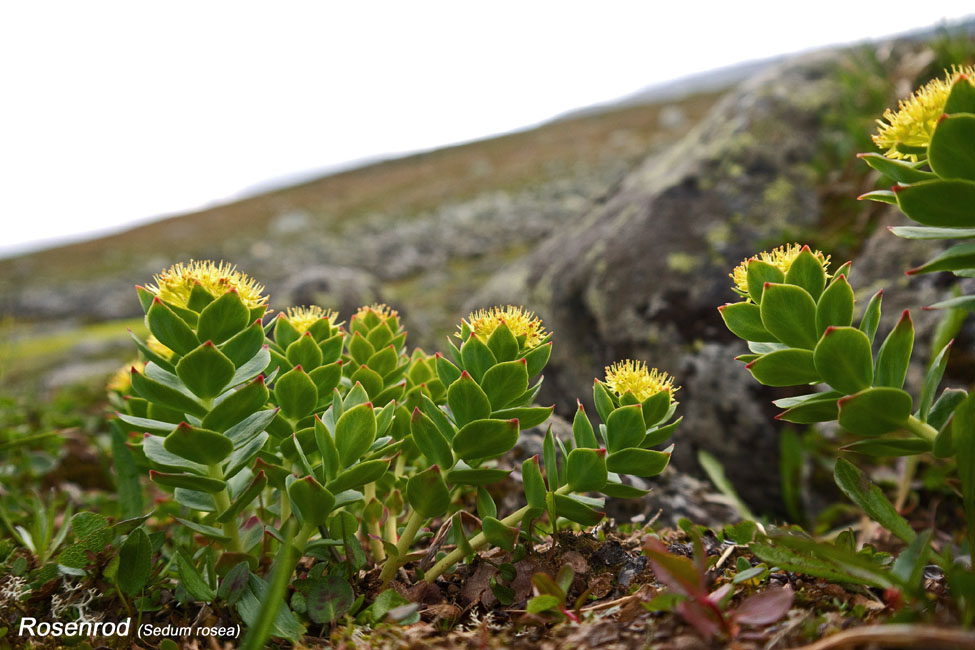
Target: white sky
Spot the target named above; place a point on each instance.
(115, 112)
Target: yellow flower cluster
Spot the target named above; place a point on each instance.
(634, 377)
(301, 318)
(781, 258)
(174, 285)
(379, 309)
(121, 380)
(916, 117)
(483, 322)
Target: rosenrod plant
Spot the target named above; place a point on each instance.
(258, 426)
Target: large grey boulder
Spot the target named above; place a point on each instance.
(642, 273)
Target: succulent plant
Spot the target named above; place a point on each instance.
(334, 431)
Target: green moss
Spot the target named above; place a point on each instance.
(683, 262)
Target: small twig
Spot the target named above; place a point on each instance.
(929, 637)
(611, 604)
(724, 556)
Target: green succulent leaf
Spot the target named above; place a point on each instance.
(446, 371)
(326, 378)
(950, 153)
(468, 401)
(369, 380)
(886, 447)
(932, 380)
(534, 484)
(574, 510)
(295, 392)
(237, 406)
(360, 349)
(313, 502)
(484, 439)
(198, 445)
(503, 344)
(603, 400)
(223, 318)
(505, 382)
(822, 409)
(758, 274)
(897, 170)
(384, 361)
(835, 306)
(537, 357)
(331, 464)
(942, 202)
(157, 392)
(527, 416)
(499, 534)
(875, 411)
(304, 352)
(625, 428)
(657, 408)
(957, 258)
(205, 371)
(895, 354)
(961, 99)
(844, 359)
(871, 316)
(244, 499)
(807, 272)
(880, 196)
(355, 432)
(582, 430)
(586, 470)
(930, 232)
(157, 454)
(427, 493)
(638, 462)
(243, 455)
(188, 481)
(789, 367)
(171, 330)
(789, 313)
(358, 475)
(744, 320)
(477, 357)
(429, 440)
(476, 476)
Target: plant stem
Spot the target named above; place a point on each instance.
(921, 429)
(222, 501)
(904, 485)
(301, 539)
(478, 541)
(402, 547)
(374, 530)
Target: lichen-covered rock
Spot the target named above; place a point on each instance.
(642, 273)
(344, 289)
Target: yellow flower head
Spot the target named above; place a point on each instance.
(121, 380)
(381, 310)
(633, 376)
(781, 258)
(520, 321)
(301, 318)
(913, 122)
(174, 284)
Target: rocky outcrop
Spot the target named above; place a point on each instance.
(642, 273)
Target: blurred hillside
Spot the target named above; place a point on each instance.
(421, 232)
